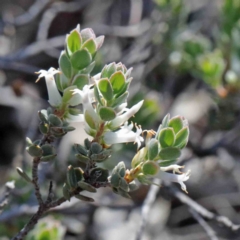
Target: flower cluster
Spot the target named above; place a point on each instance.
(100, 102)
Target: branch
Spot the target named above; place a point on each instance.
(36, 162)
(148, 202)
(200, 209)
(210, 232)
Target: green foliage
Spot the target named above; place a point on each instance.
(47, 228)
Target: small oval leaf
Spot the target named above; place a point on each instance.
(150, 168)
(166, 137)
(170, 153)
(153, 149)
(65, 65)
(106, 113)
(118, 81)
(90, 45)
(81, 59)
(105, 88)
(73, 41)
(182, 137)
(80, 80)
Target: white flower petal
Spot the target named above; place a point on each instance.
(54, 96)
(175, 168)
(119, 120)
(180, 178)
(124, 135)
(86, 99)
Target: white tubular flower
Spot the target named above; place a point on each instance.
(85, 97)
(180, 178)
(54, 96)
(124, 135)
(119, 120)
(175, 168)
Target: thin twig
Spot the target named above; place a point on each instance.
(210, 232)
(147, 204)
(36, 162)
(200, 209)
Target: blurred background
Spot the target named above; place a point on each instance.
(185, 56)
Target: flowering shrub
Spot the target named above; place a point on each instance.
(100, 102)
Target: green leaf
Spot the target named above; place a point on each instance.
(89, 120)
(66, 193)
(139, 157)
(87, 187)
(88, 69)
(82, 158)
(90, 45)
(166, 137)
(176, 123)
(74, 42)
(181, 137)
(71, 177)
(84, 198)
(124, 89)
(55, 120)
(100, 174)
(143, 179)
(97, 96)
(115, 180)
(121, 99)
(99, 41)
(165, 121)
(87, 33)
(153, 149)
(78, 173)
(81, 59)
(104, 72)
(124, 185)
(48, 149)
(65, 65)
(105, 88)
(111, 68)
(34, 150)
(74, 111)
(43, 115)
(150, 168)
(118, 81)
(24, 175)
(81, 149)
(165, 163)
(170, 153)
(68, 94)
(106, 113)
(80, 80)
(44, 128)
(48, 158)
(132, 186)
(28, 142)
(96, 148)
(62, 82)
